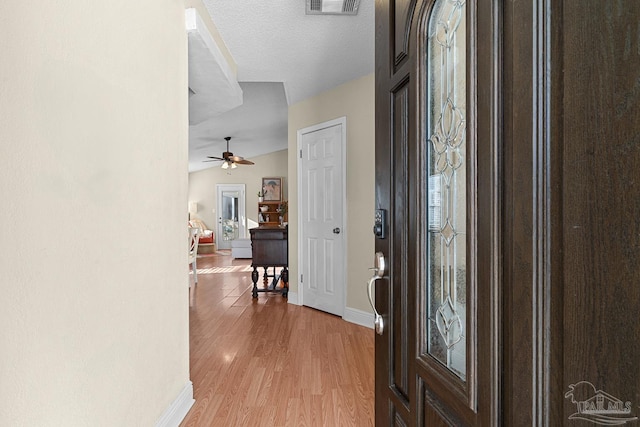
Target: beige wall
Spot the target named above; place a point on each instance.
(93, 183)
(355, 100)
(202, 184)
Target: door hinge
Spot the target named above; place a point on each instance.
(301, 276)
(301, 153)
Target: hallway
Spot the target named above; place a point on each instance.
(268, 363)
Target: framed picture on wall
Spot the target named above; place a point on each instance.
(272, 188)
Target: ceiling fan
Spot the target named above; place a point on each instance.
(229, 160)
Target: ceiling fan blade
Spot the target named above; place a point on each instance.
(227, 156)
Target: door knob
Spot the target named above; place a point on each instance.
(336, 230)
(378, 273)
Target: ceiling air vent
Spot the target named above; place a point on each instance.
(332, 7)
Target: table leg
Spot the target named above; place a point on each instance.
(284, 276)
(254, 279)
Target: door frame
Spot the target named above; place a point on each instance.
(242, 213)
(343, 154)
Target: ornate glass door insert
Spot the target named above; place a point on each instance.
(447, 185)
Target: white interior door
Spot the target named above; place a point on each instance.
(321, 196)
(231, 214)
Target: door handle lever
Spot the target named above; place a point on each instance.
(379, 271)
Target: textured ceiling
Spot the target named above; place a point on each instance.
(274, 41)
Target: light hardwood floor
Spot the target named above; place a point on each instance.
(263, 362)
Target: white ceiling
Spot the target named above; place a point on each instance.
(257, 127)
(283, 57)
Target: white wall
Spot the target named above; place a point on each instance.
(202, 184)
(93, 184)
(355, 100)
(213, 30)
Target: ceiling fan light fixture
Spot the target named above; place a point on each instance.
(228, 159)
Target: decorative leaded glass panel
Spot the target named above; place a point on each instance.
(447, 198)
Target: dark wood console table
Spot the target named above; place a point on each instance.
(270, 249)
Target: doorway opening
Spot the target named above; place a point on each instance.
(230, 207)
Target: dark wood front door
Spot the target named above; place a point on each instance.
(508, 163)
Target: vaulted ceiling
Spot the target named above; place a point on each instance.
(283, 56)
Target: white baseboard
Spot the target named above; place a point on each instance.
(353, 315)
(292, 298)
(359, 317)
(175, 413)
